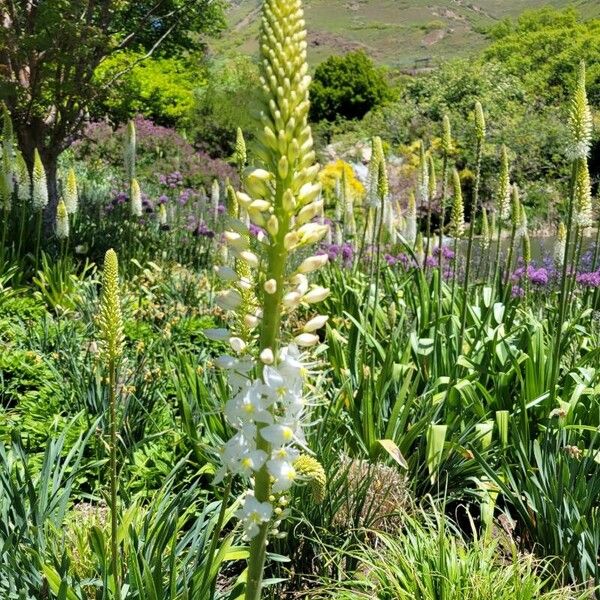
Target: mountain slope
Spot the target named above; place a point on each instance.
(394, 32)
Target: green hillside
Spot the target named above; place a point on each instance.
(395, 32)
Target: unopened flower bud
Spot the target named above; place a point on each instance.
(250, 258)
(304, 340)
(257, 183)
(273, 225)
(237, 344)
(270, 286)
(317, 294)
(313, 263)
(315, 323)
(266, 356)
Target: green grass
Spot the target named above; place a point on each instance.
(394, 32)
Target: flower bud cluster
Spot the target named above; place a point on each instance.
(282, 200)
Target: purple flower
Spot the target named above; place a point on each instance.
(447, 253)
(517, 292)
(430, 262)
(590, 280)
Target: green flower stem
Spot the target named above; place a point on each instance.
(511, 251)
(475, 201)
(497, 281)
(38, 237)
(563, 288)
(269, 338)
(114, 484)
(440, 289)
(4, 234)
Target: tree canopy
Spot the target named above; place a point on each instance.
(544, 48)
(50, 51)
(347, 87)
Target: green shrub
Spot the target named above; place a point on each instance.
(347, 87)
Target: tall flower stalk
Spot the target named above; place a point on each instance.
(580, 121)
(446, 150)
(516, 225)
(457, 224)
(266, 373)
(112, 340)
(502, 205)
(432, 191)
(479, 139)
(39, 199)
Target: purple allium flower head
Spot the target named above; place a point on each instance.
(590, 280)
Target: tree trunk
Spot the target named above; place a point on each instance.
(51, 165)
(32, 137)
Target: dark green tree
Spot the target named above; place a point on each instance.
(347, 87)
(50, 50)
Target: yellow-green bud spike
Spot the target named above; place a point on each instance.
(382, 176)
(410, 223)
(432, 176)
(560, 245)
(240, 149)
(6, 181)
(583, 196)
(232, 202)
(23, 178)
(162, 215)
(62, 221)
(526, 249)
(373, 174)
(580, 119)
(130, 150)
(423, 175)
(311, 469)
(457, 214)
(71, 195)
(40, 185)
(135, 198)
(419, 249)
(479, 121)
(504, 186)
(446, 135)
(110, 319)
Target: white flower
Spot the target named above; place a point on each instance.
(253, 514)
(288, 453)
(284, 387)
(238, 371)
(239, 454)
(290, 365)
(283, 474)
(313, 263)
(278, 435)
(249, 406)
